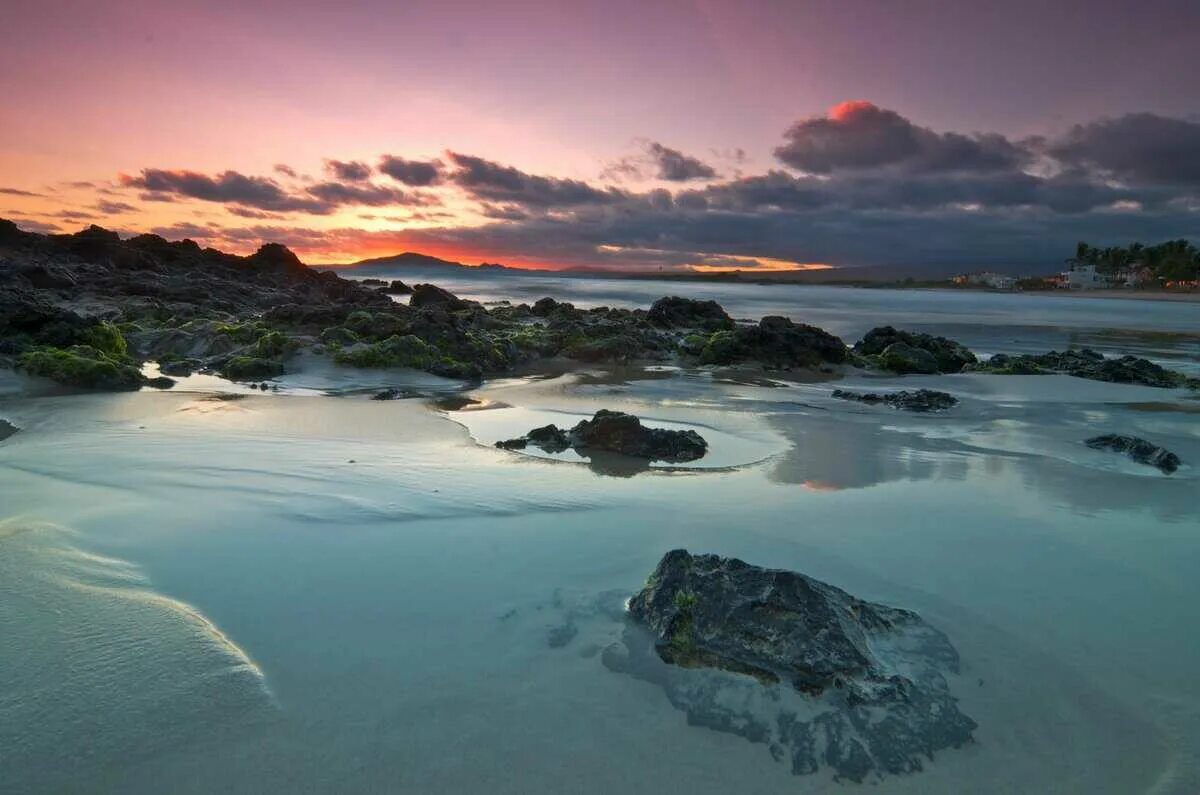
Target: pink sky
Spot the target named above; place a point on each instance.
(564, 90)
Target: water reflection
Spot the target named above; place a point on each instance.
(835, 452)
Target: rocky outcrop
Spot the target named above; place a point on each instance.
(432, 295)
(907, 400)
(675, 312)
(776, 342)
(1087, 363)
(1139, 450)
(615, 432)
(823, 678)
(910, 352)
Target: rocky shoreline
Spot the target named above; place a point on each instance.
(89, 309)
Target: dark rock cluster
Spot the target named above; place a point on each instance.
(908, 400)
(775, 342)
(1087, 363)
(88, 309)
(909, 352)
(675, 312)
(1139, 450)
(821, 677)
(614, 432)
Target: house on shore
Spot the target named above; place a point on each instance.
(1135, 276)
(1083, 277)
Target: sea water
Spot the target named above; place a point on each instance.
(312, 591)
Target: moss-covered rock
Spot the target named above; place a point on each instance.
(272, 345)
(397, 351)
(900, 357)
(722, 347)
(251, 368)
(108, 339)
(338, 336)
(81, 366)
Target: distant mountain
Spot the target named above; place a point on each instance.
(413, 259)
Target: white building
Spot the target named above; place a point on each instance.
(1083, 277)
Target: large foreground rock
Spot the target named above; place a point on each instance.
(907, 400)
(615, 432)
(823, 678)
(1138, 449)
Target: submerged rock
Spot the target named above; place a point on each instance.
(823, 678)
(7, 429)
(908, 400)
(911, 352)
(1138, 449)
(1090, 364)
(615, 432)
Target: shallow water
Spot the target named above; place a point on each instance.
(311, 591)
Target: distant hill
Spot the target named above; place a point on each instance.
(413, 259)
(842, 274)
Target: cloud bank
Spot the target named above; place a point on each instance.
(860, 184)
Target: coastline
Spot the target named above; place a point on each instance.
(1134, 295)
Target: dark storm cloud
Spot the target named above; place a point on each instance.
(1136, 148)
(860, 135)
(415, 173)
(493, 182)
(264, 194)
(865, 186)
(348, 171)
(340, 193)
(226, 187)
(675, 166)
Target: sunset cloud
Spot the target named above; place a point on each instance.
(859, 135)
(491, 181)
(415, 173)
(114, 208)
(348, 171)
(859, 184)
(675, 166)
(228, 186)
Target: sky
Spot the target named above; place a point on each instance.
(679, 134)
